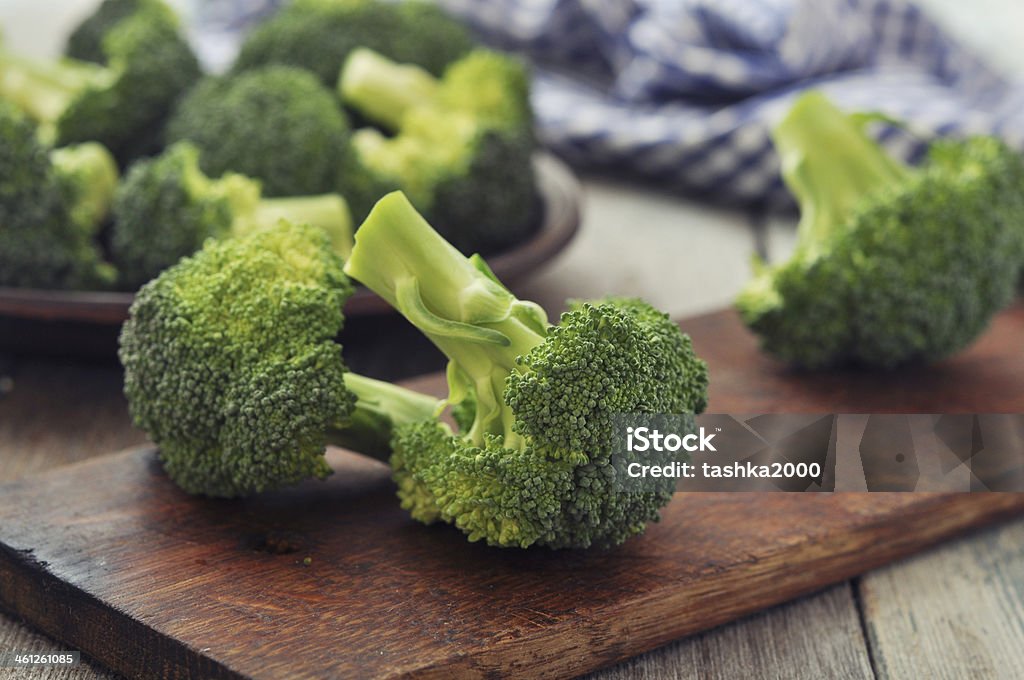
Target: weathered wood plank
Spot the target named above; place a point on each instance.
(812, 638)
(955, 612)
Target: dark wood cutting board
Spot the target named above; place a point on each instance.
(333, 580)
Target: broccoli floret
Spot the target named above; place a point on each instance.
(277, 124)
(532, 462)
(318, 35)
(86, 41)
(464, 144)
(893, 264)
(232, 368)
(122, 103)
(51, 205)
(166, 209)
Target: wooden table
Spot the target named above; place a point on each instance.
(954, 612)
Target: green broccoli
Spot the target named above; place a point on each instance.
(52, 204)
(463, 152)
(277, 124)
(491, 88)
(86, 41)
(232, 368)
(318, 35)
(893, 264)
(531, 464)
(122, 103)
(166, 209)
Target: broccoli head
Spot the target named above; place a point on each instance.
(318, 35)
(232, 368)
(532, 461)
(122, 104)
(166, 209)
(464, 144)
(277, 124)
(86, 41)
(893, 264)
(51, 206)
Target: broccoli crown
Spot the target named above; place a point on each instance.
(277, 124)
(476, 184)
(893, 264)
(492, 87)
(166, 208)
(41, 244)
(318, 35)
(535, 403)
(148, 66)
(86, 40)
(231, 365)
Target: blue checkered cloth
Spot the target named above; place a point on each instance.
(684, 92)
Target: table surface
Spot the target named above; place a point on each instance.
(954, 612)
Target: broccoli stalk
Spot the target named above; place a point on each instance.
(383, 90)
(533, 461)
(893, 264)
(456, 302)
(167, 207)
(121, 103)
(256, 318)
(380, 407)
(490, 89)
(830, 180)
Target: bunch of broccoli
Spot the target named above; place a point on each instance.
(52, 204)
(460, 146)
(133, 65)
(893, 264)
(256, 316)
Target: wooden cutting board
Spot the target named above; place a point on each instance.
(334, 580)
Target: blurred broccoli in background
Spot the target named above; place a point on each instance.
(121, 102)
(86, 41)
(531, 463)
(51, 205)
(463, 144)
(276, 124)
(318, 35)
(166, 208)
(893, 264)
(232, 368)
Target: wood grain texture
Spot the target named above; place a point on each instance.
(810, 639)
(956, 612)
(463, 609)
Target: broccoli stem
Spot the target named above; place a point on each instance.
(455, 301)
(329, 212)
(382, 90)
(380, 406)
(45, 90)
(830, 163)
(92, 176)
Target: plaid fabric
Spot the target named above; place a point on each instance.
(683, 92)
